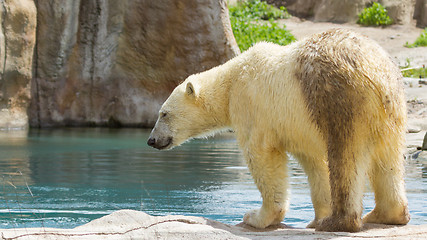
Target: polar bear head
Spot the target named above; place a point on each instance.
(190, 111)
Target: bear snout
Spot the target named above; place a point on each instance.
(159, 143)
(151, 142)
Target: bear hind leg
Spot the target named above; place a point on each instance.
(270, 173)
(387, 181)
(318, 178)
(346, 177)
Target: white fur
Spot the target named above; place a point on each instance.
(258, 96)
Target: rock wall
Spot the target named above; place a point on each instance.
(341, 11)
(17, 38)
(401, 11)
(113, 63)
(421, 13)
(324, 10)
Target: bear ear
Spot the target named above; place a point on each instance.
(191, 92)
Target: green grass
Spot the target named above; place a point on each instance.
(421, 41)
(247, 33)
(256, 9)
(376, 15)
(415, 72)
(253, 21)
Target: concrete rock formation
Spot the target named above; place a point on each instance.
(112, 63)
(130, 224)
(402, 12)
(17, 38)
(339, 11)
(328, 10)
(424, 146)
(421, 13)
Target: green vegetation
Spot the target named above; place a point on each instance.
(376, 15)
(415, 72)
(247, 33)
(421, 41)
(249, 25)
(256, 9)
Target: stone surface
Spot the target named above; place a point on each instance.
(113, 63)
(17, 40)
(324, 10)
(421, 13)
(339, 11)
(402, 12)
(417, 104)
(424, 146)
(129, 224)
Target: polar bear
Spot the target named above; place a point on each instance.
(335, 101)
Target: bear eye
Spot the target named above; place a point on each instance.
(163, 114)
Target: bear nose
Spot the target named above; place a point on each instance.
(151, 142)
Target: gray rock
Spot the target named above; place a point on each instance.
(424, 146)
(114, 62)
(17, 41)
(129, 224)
(421, 13)
(402, 12)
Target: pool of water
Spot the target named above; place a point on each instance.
(67, 177)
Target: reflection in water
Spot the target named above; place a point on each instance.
(67, 177)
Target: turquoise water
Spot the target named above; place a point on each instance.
(67, 177)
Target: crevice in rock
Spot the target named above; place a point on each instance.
(3, 27)
(35, 77)
(96, 15)
(89, 12)
(186, 221)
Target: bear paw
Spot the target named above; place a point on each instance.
(389, 217)
(313, 223)
(260, 219)
(339, 224)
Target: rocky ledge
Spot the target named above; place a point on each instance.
(130, 224)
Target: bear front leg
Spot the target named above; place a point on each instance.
(346, 177)
(270, 173)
